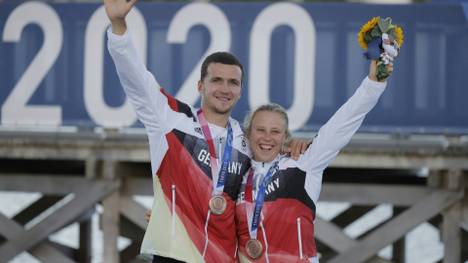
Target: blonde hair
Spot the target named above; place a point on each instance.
(270, 107)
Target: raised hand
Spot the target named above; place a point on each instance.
(117, 10)
(373, 68)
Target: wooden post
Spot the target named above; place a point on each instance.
(451, 234)
(399, 251)
(464, 246)
(85, 227)
(465, 203)
(465, 218)
(434, 179)
(91, 167)
(110, 216)
(451, 231)
(85, 248)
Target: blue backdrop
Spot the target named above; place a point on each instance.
(427, 92)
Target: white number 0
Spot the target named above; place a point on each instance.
(304, 69)
(97, 108)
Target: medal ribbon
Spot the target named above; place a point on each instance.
(223, 172)
(260, 198)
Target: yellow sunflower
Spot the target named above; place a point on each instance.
(366, 28)
(399, 36)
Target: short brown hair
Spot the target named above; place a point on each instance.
(223, 58)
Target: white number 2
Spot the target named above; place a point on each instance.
(14, 110)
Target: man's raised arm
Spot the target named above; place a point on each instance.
(139, 84)
(117, 10)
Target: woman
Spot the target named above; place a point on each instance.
(275, 210)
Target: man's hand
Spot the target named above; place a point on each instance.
(373, 70)
(296, 147)
(117, 10)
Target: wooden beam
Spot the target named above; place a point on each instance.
(332, 236)
(131, 231)
(50, 254)
(399, 161)
(52, 147)
(137, 186)
(132, 226)
(139, 260)
(129, 253)
(399, 226)
(350, 215)
(83, 200)
(43, 252)
(135, 170)
(36, 208)
(134, 211)
(324, 251)
(45, 184)
(342, 220)
(359, 194)
(66, 250)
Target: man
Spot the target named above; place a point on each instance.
(197, 157)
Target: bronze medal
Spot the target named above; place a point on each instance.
(254, 248)
(217, 204)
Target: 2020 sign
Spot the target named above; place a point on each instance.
(17, 110)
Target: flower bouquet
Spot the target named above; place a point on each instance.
(382, 41)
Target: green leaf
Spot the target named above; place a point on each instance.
(381, 24)
(391, 33)
(367, 37)
(385, 25)
(375, 32)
